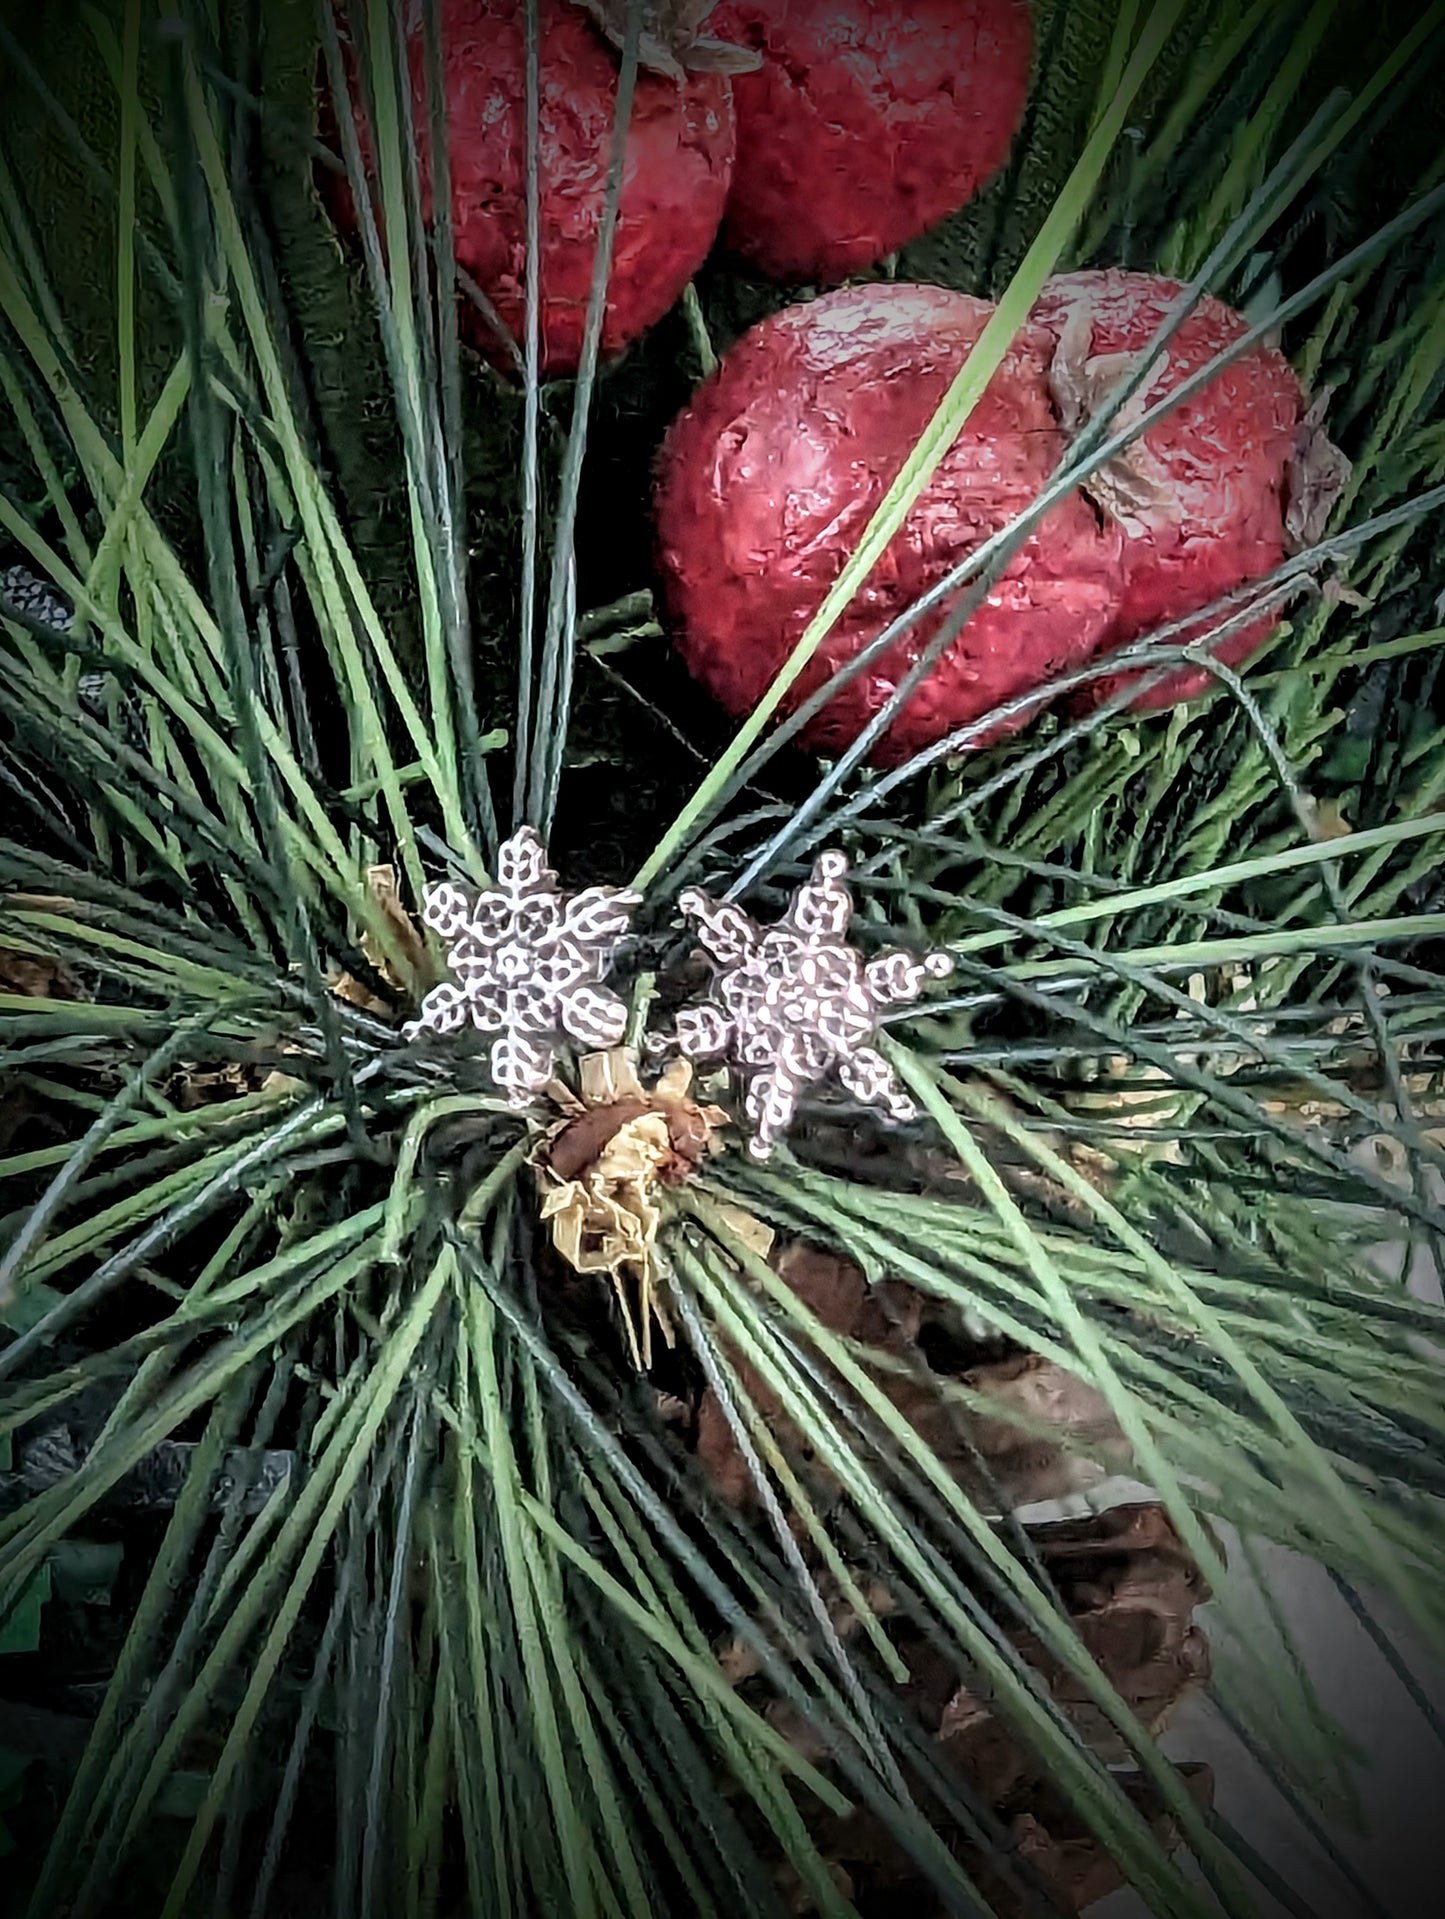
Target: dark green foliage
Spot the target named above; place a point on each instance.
(420, 1595)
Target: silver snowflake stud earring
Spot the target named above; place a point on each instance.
(530, 962)
(794, 1003)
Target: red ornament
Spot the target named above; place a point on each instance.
(768, 480)
(679, 158)
(868, 121)
(1204, 500)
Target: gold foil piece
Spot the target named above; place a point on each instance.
(604, 1215)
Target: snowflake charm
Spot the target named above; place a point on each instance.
(531, 963)
(795, 1002)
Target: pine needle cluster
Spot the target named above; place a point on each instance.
(418, 1589)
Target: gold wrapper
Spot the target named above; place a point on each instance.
(599, 1169)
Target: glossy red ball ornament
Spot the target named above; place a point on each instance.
(867, 122)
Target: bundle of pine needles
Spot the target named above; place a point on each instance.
(417, 1586)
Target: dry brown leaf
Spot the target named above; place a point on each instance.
(1316, 476)
(35, 976)
(671, 40)
(1135, 481)
(381, 884)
